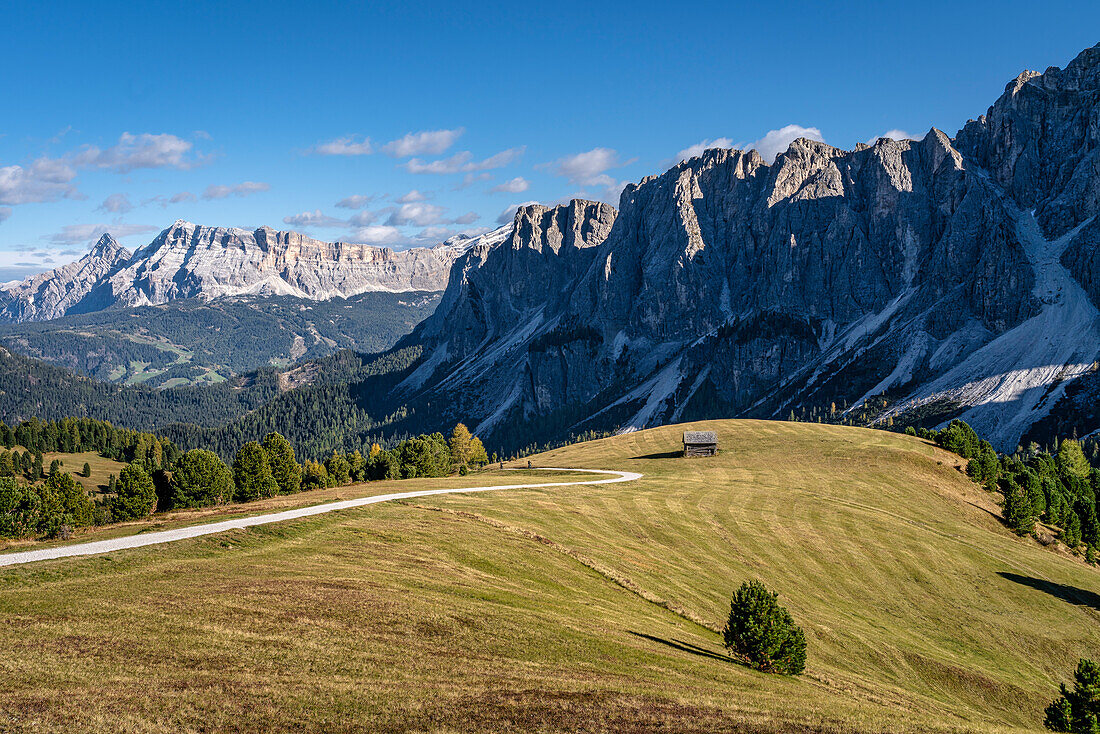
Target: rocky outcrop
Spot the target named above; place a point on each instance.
(52, 294)
(911, 270)
(192, 261)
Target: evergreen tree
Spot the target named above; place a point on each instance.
(314, 475)
(338, 468)
(357, 465)
(252, 474)
(284, 467)
(1017, 508)
(763, 633)
(1077, 711)
(87, 472)
(135, 495)
(200, 479)
(76, 506)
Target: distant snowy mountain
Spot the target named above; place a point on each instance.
(913, 280)
(192, 261)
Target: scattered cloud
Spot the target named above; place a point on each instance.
(434, 234)
(356, 201)
(412, 196)
(417, 214)
(116, 204)
(139, 151)
(350, 145)
(380, 234)
(467, 218)
(777, 141)
(509, 213)
(425, 142)
(362, 219)
(894, 134)
(46, 179)
(517, 185)
(588, 168)
(5, 212)
(181, 197)
(454, 164)
(696, 150)
(313, 219)
(470, 179)
(74, 234)
(463, 162)
(242, 189)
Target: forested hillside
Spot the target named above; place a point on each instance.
(200, 342)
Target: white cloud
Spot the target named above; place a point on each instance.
(5, 212)
(696, 150)
(470, 179)
(181, 197)
(77, 233)
(362, 219)
(454, 164)
(517, 185)
(509, 213)
(313, 219)
(467, 218)
(357, 201)
(777, 141)
(241, 189)
(412, 196)
(434, 234)
(417, 214)
(425, 142)
(894, 134)
(46, 179)
(344, 146)
(463, 161)
(380, 234)
(588, 168)
(116, 204)
(139, 151)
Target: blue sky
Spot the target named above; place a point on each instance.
(400, 123)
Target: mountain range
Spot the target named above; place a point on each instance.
(908, 280)
(193, 261)
(901, 282)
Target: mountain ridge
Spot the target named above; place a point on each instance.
(908, 270)
(187, 260)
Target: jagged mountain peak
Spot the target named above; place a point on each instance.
(731, 286)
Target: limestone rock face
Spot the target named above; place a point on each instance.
(914, 272)
(192, 261)
(52, 294)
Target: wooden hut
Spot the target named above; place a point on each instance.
(700, 443)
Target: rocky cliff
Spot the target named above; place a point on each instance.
(942, 277)
(192, 261)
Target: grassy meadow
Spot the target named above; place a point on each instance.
(586, 608)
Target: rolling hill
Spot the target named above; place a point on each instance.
(574, 608)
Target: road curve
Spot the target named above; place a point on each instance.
(194, 531)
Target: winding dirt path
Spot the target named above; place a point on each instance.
(194, 531)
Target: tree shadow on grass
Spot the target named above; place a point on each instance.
(666, 455)
(1071, 594)
(684, 646)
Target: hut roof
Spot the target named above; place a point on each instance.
(700, 437)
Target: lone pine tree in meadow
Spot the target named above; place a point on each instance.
(762, 633)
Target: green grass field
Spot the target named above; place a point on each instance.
(575, 608)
